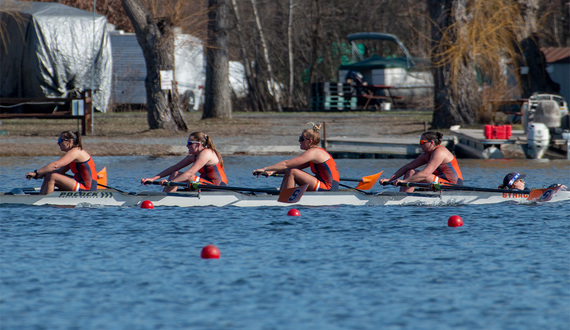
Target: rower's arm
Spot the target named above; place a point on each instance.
(437, 158)
(300, 162)
(63, 162)
(201, 161)
(421, 160)
(181, 164)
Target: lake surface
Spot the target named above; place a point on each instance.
(344, 267)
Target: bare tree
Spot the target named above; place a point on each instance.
(536, 77)
(472, 40)
(217, 101)
(454, 80)
(156, 38)
(290, 53)
(264, 47)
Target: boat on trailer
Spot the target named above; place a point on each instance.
(268, 198)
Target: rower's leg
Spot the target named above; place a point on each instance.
(53, 179)
(168, 189)
(407, 175)
(296, 176)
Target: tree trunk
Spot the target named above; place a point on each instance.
(456, 99)
(290, 49)
(272, 87)
(156, 38)
(253, 95)
(315, 30)
(537, 79)
(217, 91)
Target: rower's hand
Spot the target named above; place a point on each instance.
(146, 181)
(163, 182)
(259, 172)
(384, 182)
(30, 175)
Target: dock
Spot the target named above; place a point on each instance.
(464, 143)
(471, 143)
(352, 147)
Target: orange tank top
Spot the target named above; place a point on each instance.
(214, 174)
(327, 172)
(449, 171)
(85, 173)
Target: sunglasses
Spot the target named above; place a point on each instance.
(60, 140)
(302, 138)
(192, 142)
(422, 142)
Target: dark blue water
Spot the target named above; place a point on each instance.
(508, 267)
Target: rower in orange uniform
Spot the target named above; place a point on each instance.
(75, 159)
(441, 165)
(319, 160)
(207, 164)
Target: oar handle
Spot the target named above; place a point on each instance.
(170, 184)
(449, 186)
(197, 185)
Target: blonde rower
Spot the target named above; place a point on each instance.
(207, 164)
(321, 163)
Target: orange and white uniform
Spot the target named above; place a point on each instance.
(448, 172)
(85, 175)
(326, 174)
(212, 174)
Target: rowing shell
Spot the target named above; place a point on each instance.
(219, 198)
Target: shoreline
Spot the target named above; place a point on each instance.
(127, 134)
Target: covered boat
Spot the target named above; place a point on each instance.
(383, 59)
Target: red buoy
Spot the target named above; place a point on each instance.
(455, 221)
(293, 213)
(147, 205)
(210, 252)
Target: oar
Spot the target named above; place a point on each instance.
(290, 195)
(448, 186)
(364, 183)
(100, 185)
(196, 186)
(540, 195)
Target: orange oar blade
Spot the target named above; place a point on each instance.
(292, 195)
(368, 181)
(544, 195)
(102, 178)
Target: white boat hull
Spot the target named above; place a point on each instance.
(238, 199)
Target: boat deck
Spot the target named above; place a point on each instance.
(354, 147)
(471, 143)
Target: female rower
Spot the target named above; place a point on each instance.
(441, 165)
(207, 164)
(513, 180)
(75, 159)
(321, 164)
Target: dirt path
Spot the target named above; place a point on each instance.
(245, 133)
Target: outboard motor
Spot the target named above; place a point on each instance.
(548, 113)
(538, 140)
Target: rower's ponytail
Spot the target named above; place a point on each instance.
(74, 136)
(207, 142)
(433, 136)
(313, 133)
